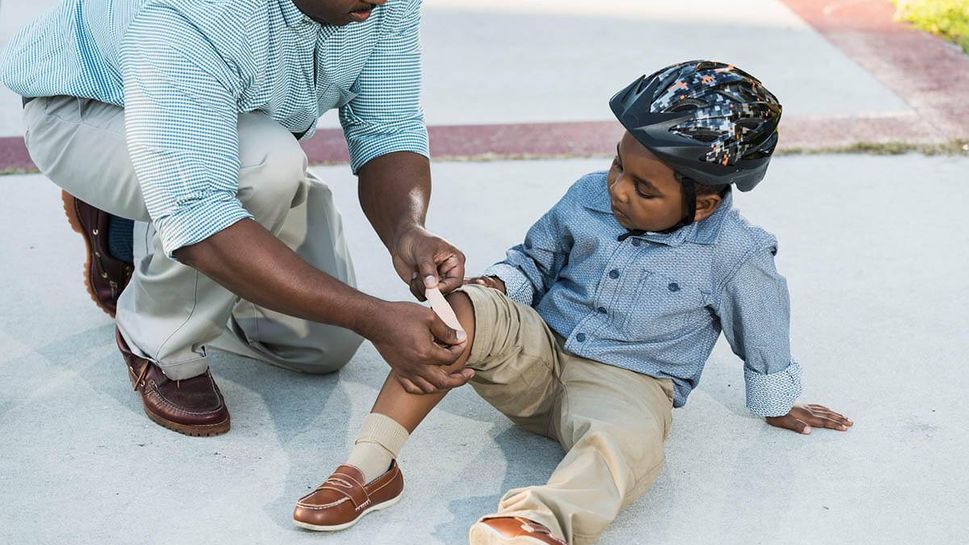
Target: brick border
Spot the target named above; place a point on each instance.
(864, 30)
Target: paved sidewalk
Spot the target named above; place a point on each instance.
(876, 270)
(509, 79)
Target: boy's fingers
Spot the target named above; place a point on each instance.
(824, 422)
(791, 423)
(831, 415)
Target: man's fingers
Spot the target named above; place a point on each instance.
(408, 385)
(428, 273)
(426, 386)
(451, 273)
(446, 381)
(445, 334)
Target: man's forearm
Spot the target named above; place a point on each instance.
(394, 191)
(252, 263)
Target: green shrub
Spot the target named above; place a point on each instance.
(946, 18)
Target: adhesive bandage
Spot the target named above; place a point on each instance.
(441, 307)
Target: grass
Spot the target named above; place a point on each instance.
(946, 18)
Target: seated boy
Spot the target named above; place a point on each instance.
(594, 328)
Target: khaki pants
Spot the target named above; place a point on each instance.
(169, 312)
(611, 422)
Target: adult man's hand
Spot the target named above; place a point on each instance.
(801, 418)
(425, 260)
(418, 345)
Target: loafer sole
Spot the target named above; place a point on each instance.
(482, 534)
(198, 430)
(337, 527)
(72, 218)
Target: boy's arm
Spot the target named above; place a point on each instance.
(755, 316)
(530, 268)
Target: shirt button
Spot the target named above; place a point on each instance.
(674, 286)
(580, 337)
(614, 274)
(602, 310)
(637, 242)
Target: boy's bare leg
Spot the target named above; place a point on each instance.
(397, 413)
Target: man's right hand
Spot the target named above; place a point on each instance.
(419, 346)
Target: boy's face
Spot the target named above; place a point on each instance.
(644, 192)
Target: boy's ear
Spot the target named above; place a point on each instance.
(706, 205)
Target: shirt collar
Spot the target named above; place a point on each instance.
(291, 14)
(702, 232)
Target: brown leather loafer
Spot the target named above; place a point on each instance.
(343, 499)
(104, 276)
(511, 531)
(193, 407)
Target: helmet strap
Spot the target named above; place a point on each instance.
(689, 202)
(689, 208)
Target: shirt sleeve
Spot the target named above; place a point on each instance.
(181, 125)
(530, 268)
(386, 115)
(755, 316)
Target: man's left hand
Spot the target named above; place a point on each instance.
(425, 260)
(803, 418)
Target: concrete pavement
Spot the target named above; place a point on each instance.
(872, 249)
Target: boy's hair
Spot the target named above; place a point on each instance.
(703, 190)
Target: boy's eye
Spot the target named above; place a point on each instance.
(640, 190)
(616, 163)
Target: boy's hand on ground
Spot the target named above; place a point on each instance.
(803, 418)
(488, 282)
(418, 346)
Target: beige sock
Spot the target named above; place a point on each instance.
(377, 444)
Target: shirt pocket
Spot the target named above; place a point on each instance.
(663, 308)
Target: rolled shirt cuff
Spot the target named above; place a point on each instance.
(364, 149)
(773, 394)
(198, 221)
(517, 286)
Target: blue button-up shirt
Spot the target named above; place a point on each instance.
(185, 69)
(656, 303)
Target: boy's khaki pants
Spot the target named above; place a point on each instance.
(611, 422)
(169, 312)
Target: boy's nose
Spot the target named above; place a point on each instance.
(619, 190)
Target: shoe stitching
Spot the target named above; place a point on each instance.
(154, 392)
(320, 507)
(369, 495)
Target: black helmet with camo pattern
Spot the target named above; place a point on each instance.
(710, 122)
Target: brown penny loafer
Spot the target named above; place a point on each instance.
(193, 407)
(511, 531)
(343, 499)
(104, 276)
